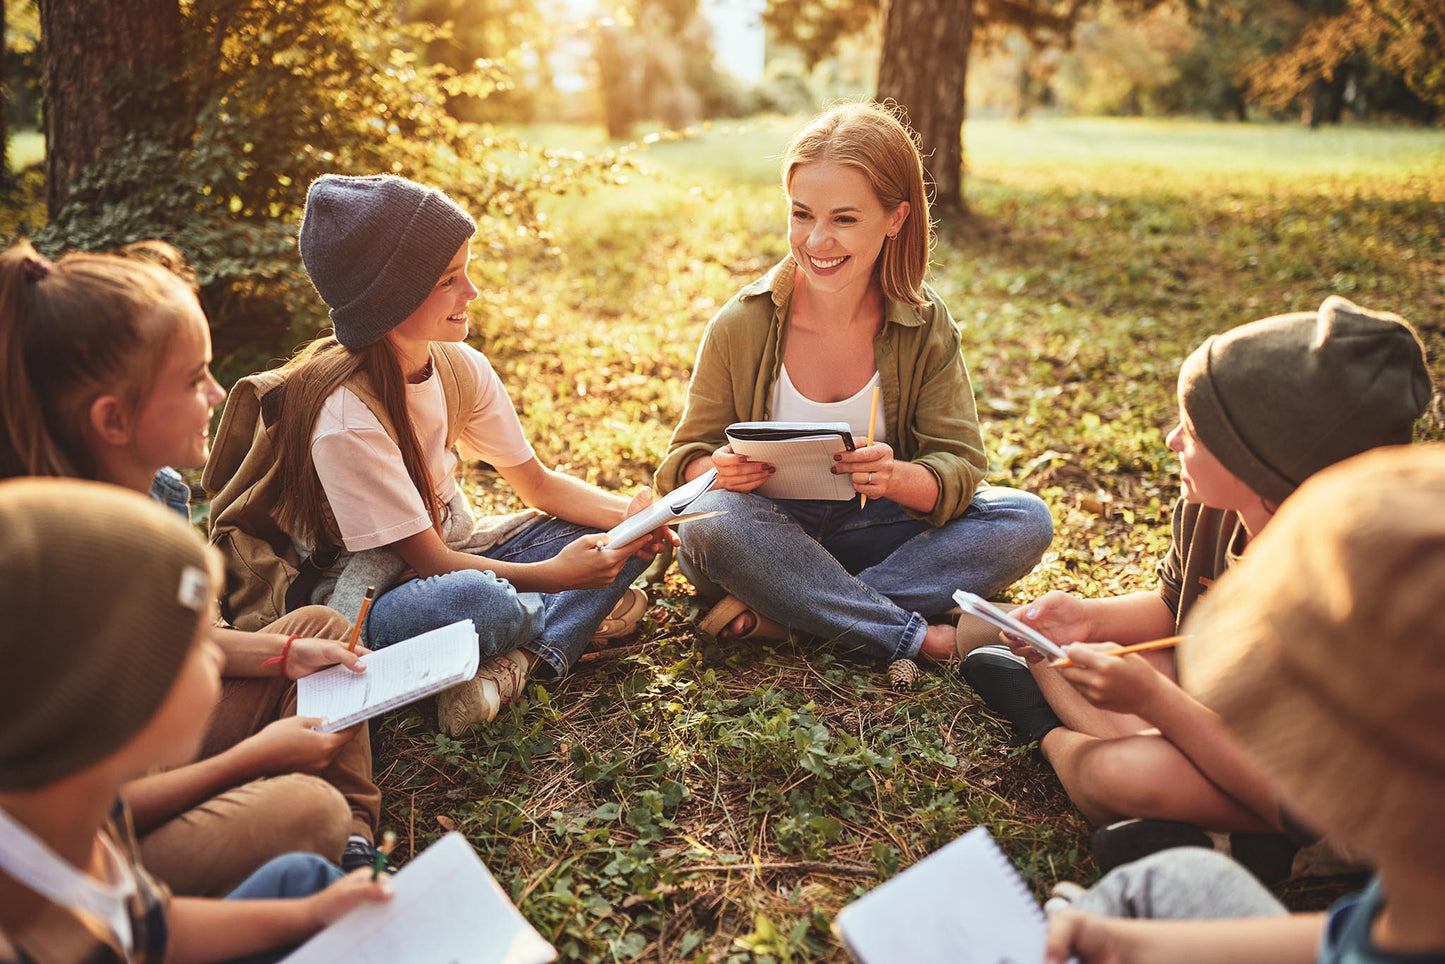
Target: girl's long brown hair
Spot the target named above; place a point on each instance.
(316, 371)
(70, 332)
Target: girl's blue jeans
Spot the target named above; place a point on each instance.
(868, 578)
(286, 876)
(554, 626)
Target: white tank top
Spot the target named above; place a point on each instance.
(791, 405)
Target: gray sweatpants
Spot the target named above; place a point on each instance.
(1186, 883)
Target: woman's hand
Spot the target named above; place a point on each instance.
(580, 565)
(738, 473)
(870, 466)
(1123, 684)
(353, 890)
(290, 745)
(306, 656)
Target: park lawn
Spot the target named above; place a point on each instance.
(675, 798)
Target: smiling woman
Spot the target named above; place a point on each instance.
(845, 317)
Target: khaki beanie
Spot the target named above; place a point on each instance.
(102, 593)
(1324, 651)
(1277, 400)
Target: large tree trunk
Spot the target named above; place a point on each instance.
(103, 66)
(4, 107)
(924, 66)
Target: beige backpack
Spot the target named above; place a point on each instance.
(265, 575)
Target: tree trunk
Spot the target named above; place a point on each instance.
(923, 68)
(4, 107)
(104, 65)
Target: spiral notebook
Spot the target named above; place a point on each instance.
(801, 452)
(446, 908)
(669, 510)
(395, 676)
(963, 902)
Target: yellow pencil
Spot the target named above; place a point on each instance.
(872, 418)
(1164, 643)
(361, 618)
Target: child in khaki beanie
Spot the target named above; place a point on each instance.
(105, 363)
(1262, 407)
(109, 673)
(1324, 653)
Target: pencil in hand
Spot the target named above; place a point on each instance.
(361, 618)
(1164, 643)
(872, 418)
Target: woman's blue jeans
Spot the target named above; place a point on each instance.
(554, 626)
(868, 578)
(287, 876)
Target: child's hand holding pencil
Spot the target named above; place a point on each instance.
(1114, 677)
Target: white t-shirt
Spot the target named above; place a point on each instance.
(361, 469)
(791, 405)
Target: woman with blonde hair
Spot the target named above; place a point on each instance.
(845, 313)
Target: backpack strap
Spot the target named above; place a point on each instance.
(458, 385)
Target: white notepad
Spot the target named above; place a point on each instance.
(668, 510)
(446, 909)
(801, 452)
(395, 676)
(963, 902)
(976, 605)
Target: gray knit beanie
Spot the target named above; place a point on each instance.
(104, 593)
(375, 247)
(1277, 400)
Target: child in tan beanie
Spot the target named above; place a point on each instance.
(105, 363)
(1324, 653)
(1262, 407)
(109, 674)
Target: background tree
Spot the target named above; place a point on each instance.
(107, 69)
(926, 50)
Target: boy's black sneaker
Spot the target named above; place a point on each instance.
(1129, 840)
(1269, 856)
(360, 853)
(1003, 681)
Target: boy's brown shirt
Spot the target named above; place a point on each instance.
(1207, 542)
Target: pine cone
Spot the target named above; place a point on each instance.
(902, 674)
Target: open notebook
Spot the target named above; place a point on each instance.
(395, 676)
(802, 453)
(446, 909)
(963, 902)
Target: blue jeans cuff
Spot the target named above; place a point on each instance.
(912, 639)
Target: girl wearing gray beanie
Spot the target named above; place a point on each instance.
(367, 442)
(1262, 407)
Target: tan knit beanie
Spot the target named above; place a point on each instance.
(1324, 651)
(102, 592)
(1279, 399)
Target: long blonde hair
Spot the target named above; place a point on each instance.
(871, 139)
(316, 371)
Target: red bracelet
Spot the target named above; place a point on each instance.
(285, 651)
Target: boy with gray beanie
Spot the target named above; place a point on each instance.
(1324, 653)
(1262, 407)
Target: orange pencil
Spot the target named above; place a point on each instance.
(872, 417)
(361, 618)
(1164, 643)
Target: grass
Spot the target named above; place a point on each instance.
(675, 799)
